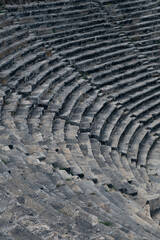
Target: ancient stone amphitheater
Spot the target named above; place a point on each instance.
(80, 120)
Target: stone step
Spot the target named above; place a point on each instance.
(73, 100)
(101, 118)
(100, 79)
(6, 22)
(46, 8)
(108, 126)
(10, 60)
(82, 107)
(56, 88)
(90, 51)
(41, 90)
(10, 40)
(20, 44)
(11, 105)
(144, 148)
(79, 120)
(50, 14)
(20, 65)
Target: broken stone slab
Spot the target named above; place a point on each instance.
(154, 203)
(26, 90)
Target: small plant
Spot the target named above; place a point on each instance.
(108, 3)
(135, 39)
(4, 161)
(3, 81)
(53, 30)
(90, 204)
(106, 223)
(49, 53)
(2, 9)
(114, 188)
(84, 77)
(60, 168)
(93, 193)
(68, 179)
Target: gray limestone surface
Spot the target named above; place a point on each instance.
(80, 120)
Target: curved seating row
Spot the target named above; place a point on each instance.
(79, 120)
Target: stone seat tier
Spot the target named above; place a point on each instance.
(144, 149)
(143, 136)
(10, 40)
(99, 119)
(102, 63)
(128, 115)
(9, 30)
(60, 135)
(102, 80)
(139, 84)
(83, 42)
(87, 57)
(148, 94)
(55, 90)
(93, 132)
(29, 71)
(89, 50)
(6, 22)
(18, 45)
(91, 113)
(133, 9)
(154, 13)
(64, 37)
(117, 176)
(37, 16)
(32, 90)
(83, 106)
(48, 5)
(79, 120)
(114, 150)
(53, 147)
(129, 4)
(16, 68)
(63, 97)
(83, 25)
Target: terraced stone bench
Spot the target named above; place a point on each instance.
(79, 120)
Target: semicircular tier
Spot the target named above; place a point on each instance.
(80, 120)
